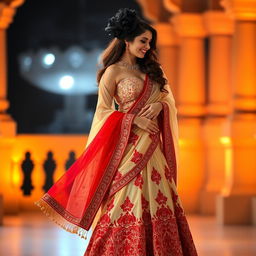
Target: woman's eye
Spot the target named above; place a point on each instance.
(143, 41)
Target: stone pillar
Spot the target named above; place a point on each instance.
(191, 107)
(167, 45)
(7, 124)
(235, 207)
(220, 30)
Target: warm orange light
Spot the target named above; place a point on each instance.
(16, 178)
(15, 171)
(226, 141)
(182, 142)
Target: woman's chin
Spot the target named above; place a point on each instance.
(141, 56)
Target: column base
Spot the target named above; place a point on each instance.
(8, 126)
(189, 203)
(11, 204)
(234, 209)
(208, 202)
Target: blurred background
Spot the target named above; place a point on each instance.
(52, 55)
(49, 52)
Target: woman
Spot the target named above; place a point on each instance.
(124, 183)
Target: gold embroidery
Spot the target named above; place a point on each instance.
(127, 92)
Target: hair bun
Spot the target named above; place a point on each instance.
(122, 23)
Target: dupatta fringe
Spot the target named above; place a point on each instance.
(59, 220)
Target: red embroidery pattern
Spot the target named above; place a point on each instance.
(105, 220)
(133, 138)
(139, 181)
(155, 176)
(183, 227)
(161, 199)
(146, 219)
(136, 169)
(168, 174)
(166, 233)
(166, 238)
(136, 156)
(127, 205)
(169, 150)
(123, 237)
(110, 205)
(118, 176)
(144, 203)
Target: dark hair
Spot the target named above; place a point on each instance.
(126, 25)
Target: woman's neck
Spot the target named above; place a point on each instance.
(129, 59)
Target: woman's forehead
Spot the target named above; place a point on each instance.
(146, 35)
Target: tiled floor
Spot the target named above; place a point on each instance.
(34, 235)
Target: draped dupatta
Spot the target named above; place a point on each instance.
(74, 200)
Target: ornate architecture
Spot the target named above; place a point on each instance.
(7, 124)
(213, 78)
(208, 52)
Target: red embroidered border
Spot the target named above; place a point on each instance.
(169, 150)
(61, 210)
(155, 139)
(137, 168)
(143, 98)
(109, 172)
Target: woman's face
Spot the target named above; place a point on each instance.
(140, 45)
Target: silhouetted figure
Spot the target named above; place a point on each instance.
(27, 167)
(71, 160)
(49, 168)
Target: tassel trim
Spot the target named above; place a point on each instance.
(59, 220)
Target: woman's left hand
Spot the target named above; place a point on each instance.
(151, 111)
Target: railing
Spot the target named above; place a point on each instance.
(37, 162)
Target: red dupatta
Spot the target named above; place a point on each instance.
(73, 201)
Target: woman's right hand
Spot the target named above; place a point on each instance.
(146, 124)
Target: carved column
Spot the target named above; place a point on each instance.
(220, 30)
(191, 106)
(7, 124)
(235, 206)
